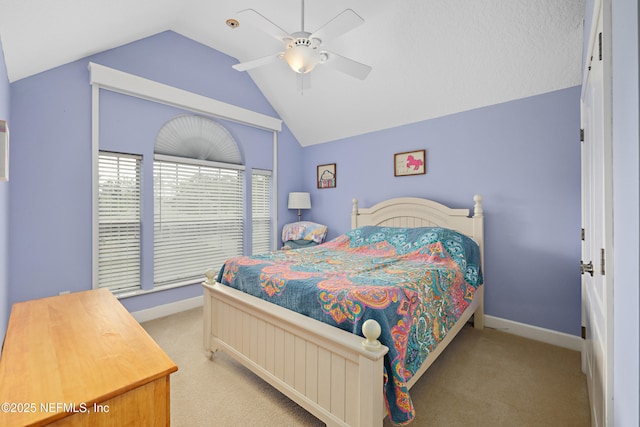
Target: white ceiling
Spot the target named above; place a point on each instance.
(430, 58)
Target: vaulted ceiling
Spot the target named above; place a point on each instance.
(429, 58)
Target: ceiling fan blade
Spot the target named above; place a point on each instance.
(345, 21)
(347, 66)
(257, 20)
(254, 63)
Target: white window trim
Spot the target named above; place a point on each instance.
(139, 87)
(106, 78)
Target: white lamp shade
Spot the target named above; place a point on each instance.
(299, 200)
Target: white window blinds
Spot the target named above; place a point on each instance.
(261, 211)
(198, 216)
(119, 221)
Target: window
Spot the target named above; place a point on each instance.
(198, 216)
(118, 221)
(261, 211)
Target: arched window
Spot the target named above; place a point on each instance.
(199, 138)
(198, 199)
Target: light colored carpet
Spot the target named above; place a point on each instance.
(484, 378)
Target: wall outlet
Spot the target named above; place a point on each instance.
(64, 292)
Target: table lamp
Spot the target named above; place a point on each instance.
(298, 200)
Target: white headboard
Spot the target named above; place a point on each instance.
(415, 212)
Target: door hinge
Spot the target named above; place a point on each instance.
(584, 333)
(582, 234)
(600, 46)
(581, 135)
(602, 261)
(586, 268)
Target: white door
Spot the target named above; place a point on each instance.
(597, 283)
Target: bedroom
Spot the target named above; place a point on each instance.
(521, 155)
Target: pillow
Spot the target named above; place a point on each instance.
(464, 251)
(304, 230)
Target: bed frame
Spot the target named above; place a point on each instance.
(335, 375)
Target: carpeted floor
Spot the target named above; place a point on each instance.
(484, 378)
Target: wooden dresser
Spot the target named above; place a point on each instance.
(81, 359)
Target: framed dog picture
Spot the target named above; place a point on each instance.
(410, 163)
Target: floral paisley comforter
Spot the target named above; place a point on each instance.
(416, 282)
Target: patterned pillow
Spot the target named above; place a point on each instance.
(304, 230)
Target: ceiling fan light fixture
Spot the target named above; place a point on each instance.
(302, 56)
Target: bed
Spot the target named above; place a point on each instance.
(338, 375)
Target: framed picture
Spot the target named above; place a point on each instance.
(410, 163)
(327, 176)
(4, 151)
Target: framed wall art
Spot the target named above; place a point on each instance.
(4, 151)
(410, 163)
(327, 176)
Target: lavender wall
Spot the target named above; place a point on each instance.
(523, 157)
(4, 211)
(50, 236)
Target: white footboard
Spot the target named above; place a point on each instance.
(325, 370)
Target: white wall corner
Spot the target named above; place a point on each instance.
(548, 336)
(167, 309)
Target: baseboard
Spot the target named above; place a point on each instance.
(572, 342)
(167, 309)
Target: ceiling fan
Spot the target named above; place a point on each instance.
(304, 50)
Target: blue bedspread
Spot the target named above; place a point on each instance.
(416, 282)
